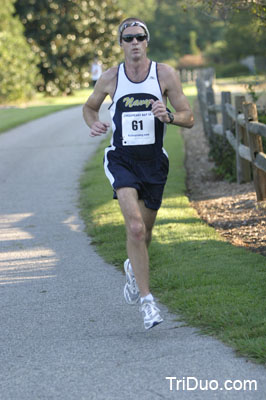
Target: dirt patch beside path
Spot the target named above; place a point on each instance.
(232, 209)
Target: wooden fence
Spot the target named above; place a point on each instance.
(239, 126)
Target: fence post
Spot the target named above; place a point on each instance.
(212, 118)
(227, 123)
(243, 172)
(202, 102)
(255, 145)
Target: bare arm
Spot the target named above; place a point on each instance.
(172, 89)
(91, 108)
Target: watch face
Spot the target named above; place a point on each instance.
(171, 117)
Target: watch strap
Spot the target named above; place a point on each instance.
(171, 117)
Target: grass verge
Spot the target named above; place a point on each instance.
(206, 281)
(40, 106)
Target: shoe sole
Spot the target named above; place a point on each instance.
(153, 324)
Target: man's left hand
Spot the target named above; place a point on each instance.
(159, 110)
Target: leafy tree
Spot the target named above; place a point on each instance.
(215, 52)
(18, 71)
(67, 34)
(244, 37)
(194, 49)
(171, 30)
(224, 8)
(143, 9)
(171, 24)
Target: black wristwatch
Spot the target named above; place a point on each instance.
(171, 117)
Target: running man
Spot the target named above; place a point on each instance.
(136, 163)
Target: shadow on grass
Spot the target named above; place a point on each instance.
(166, 221)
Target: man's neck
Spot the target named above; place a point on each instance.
(137, 70)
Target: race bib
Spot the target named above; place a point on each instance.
(138, 128)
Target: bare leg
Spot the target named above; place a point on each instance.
(139, 221)
(149, 217)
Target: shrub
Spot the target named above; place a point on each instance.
(224, 157)
(18, 71)
(262, 119)
(230, 70)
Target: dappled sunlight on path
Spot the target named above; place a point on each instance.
(28, 262)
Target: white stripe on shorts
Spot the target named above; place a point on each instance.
(106, 170)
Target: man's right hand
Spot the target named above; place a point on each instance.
(98, 128)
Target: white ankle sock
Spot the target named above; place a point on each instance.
(149, 297)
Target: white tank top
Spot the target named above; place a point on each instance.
(136, 131)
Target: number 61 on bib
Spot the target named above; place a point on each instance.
(138, 128)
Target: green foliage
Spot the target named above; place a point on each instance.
(170, 22)
(67, 34)
(244, 37)
(224, 157)
(194, 49)
(230, 70)
(143, 9)
(251, 90)
(170, 30)
(170, 25)
(222, 153)
(225, 8)
(18, 71)
(262, 119)
(214, 52)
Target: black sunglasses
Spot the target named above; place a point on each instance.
(139, 36)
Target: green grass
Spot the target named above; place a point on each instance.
(213, 285)
(40, 106)
(190, 90)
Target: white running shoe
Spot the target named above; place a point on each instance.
(150, 313)
(131, 290)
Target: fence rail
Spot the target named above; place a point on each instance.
(239, 126)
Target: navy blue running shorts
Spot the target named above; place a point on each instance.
(148, 177)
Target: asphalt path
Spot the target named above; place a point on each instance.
(65, 331)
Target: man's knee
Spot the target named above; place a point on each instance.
(136, 230)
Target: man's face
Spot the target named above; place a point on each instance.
(134, 50)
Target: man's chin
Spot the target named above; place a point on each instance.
(136, 56)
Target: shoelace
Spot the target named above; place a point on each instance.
(148, 308)
(133, 285)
